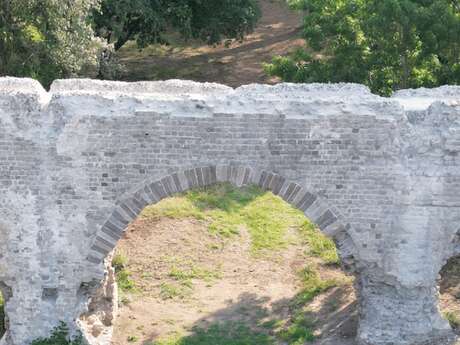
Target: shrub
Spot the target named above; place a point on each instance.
(60, 336)
(384, 44)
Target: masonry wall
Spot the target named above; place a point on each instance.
(78, 163)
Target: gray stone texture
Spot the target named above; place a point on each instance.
(379, 175)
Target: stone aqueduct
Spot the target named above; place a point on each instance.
(379, 175)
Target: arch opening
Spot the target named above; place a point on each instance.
(184, 263)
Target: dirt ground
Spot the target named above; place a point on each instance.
(237, 287)
(277, 33)
(243, 287)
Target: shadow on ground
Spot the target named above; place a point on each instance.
(277, 33)
(247, 321)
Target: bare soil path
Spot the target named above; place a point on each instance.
(277, 33)
(236, 287)
(228, 284)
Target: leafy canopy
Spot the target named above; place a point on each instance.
(45, 39)
(49, 39)
(146, 21)
(385, 44)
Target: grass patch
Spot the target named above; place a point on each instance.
(299, 331)
(300, 328)
(268, 219)
(175, 290)
(228, 333)
(320, 245)
(182, 273)
(226, 208)
(193, 272)
(173, 207)
(453, 319)
(59, 336)
(123, 277)
(132, 339)
(312, 285)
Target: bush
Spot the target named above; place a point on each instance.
(384, 44)
(60, 336)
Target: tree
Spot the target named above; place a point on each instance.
(146, 21)
(385, 44)
(46, 39)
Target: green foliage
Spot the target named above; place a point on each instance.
(385, 44)
(123, 276)
(319, 245)
(147, 21)
(49, 39)
(46, 39)
(228, 333)
(299, 331)
(179, 290)
(183, 273)
(174, 207)
(132, 339)
(226, 208)
(60, 336)
(268, 219)
(453, 318)
(192, 272)
(312, 285)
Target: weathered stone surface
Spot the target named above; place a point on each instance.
(77, 164)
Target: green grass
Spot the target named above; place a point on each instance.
(175, 290)
(319, 245)
(226, 208)
(268, 219)
(59, 336)
(228, 333)
(193, 272)
(453, 319)
(312, 285)
(182, 273)
(132, 338)
(299, 331)
(123, 276)
(173, 207)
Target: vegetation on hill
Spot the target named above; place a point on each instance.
(226, 208)
(385, 44)
(48, 39)
(147, 21)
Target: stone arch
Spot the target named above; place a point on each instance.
(127, 208)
